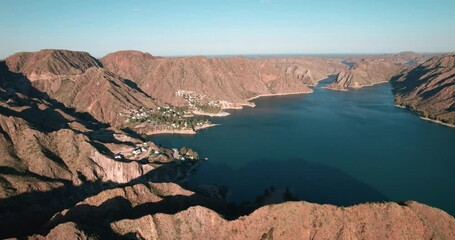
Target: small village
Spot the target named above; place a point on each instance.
(195, 102)
(172, 117)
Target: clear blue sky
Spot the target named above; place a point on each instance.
(210, 27)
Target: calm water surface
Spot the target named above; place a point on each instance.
(329, 147)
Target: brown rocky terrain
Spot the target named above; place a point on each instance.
(233, 80)
(310, 70)
(371, 70)
(297, 220)
(367, 72)
(429, 88)
(408, 58)
(52, 155)
(137, 212)
(78, 80)
(49, 63)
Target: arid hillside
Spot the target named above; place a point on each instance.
(367, 72)
(77, 80)
(309, 70)
(231, 80)
(429, 88)
(371, 70)
(166, 211)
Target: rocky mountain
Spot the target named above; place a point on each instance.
(232, 80)
(429, 88)
(365, 73)
(77, 80)
(407, 58)
(166, 211)
(310, 70)
(49, 63)
(52, 155)
(371, 70)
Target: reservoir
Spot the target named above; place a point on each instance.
(333, 147)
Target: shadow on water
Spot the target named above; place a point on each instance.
(313, 182)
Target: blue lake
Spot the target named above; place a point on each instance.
(331, 147)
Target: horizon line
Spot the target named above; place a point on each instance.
(247, 54)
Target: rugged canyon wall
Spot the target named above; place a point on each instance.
(367, 72)
(233, 79)
(309, 70)
(429, 88)
(371, 70)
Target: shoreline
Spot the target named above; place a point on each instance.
(370, 85)
(181, 131)
(278, 94)
(335, 89)
(438, 122)
(206, 126)
(348, 88)
(425, 118)
(242, 105)
(219, 114)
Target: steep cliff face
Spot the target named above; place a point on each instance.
(77, 80)
(429, 88)
(234, 80)
(309, 70)
(367, 72)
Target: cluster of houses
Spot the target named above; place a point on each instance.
(194, 102)
(192, 98)
(137, 151)
(166, 116)
(136, 115)
(172, 117)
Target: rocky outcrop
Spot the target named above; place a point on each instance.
(234, 79)
(309, 70)
(77, 80)
(367, 72)
(429, 88)
(67, 230)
